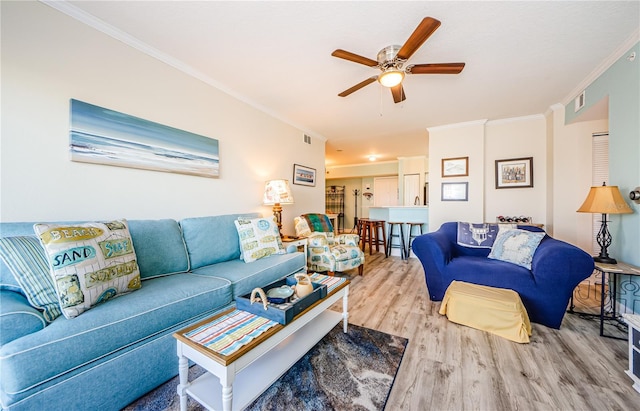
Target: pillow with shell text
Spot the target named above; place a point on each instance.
(259, 238)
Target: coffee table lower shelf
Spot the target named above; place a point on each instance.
(232, 383)
(264, 371)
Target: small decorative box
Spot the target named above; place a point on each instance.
(282, 313)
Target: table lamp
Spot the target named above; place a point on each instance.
(605, 200)
(277, 192)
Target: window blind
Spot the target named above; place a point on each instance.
(600, 174)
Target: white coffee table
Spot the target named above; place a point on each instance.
(234, 381)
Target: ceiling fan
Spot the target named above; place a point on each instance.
(390, 61)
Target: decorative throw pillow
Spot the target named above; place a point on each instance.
(259, 237)
(25, 258)
(516, 246)
(89, 263)
(480, 235)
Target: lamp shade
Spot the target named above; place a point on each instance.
(605, 200)
(277, 192)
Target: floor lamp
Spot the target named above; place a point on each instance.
(277, 192)
(604, 200)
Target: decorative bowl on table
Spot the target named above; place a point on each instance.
(279, 295)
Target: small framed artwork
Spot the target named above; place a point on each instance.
(514, 173)
(455, 192)
(455, 167)
(304, 176)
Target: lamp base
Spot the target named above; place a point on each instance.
(605, 260)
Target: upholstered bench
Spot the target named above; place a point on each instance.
(496, 310)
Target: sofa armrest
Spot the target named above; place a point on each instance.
(435, 247)
(560, 263)
(348, 239)
(17, 317)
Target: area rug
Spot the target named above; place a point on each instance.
(352, 371)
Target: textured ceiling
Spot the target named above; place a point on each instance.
(521, 57)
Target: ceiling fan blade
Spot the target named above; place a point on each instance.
(398, 93)
(358, 86)
(347, 55)
(440, 68)
(425, 29)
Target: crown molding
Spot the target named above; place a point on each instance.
(603, 66)
(515, 119)
(92, 21)
(371, 163)
(458, 125)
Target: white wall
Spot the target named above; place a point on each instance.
(49, 58)
(516, 138)
(572, 176)
(457, 140)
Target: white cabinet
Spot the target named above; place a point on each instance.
(633, 320)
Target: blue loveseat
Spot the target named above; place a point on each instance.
(119, 350)
(556, 269)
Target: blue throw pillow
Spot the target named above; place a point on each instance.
(26, 259)
(516, 246)
(480, 235)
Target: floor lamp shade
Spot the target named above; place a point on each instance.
(276, 193)
(604, 200)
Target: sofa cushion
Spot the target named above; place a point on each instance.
(259, 238)
(212, 239)
(26, 259)
(516, 246)
(17, 317)
(246, 277)
(67, 344)
(89, 262)
(7, 280)
(159, 247)
(480, 235)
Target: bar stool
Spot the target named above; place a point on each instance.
(412, 236)
(375, 227)
(363, 231)
(401, 244)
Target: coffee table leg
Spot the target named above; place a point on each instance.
(227, 389)
(345, 309)
(183, 368)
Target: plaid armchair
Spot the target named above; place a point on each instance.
(327, 251)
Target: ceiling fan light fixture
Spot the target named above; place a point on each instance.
(391, 77)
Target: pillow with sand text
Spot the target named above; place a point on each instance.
(89, 262)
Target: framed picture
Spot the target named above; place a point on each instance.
(304, 176)
(514, 173)
(102, 136)
(455, 191)
(455, 167)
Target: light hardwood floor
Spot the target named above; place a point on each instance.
(452, 367)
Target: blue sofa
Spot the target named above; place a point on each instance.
(121, 349)
(545, 290)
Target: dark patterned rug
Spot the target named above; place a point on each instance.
(352, 371)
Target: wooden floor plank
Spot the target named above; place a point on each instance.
(452, 367)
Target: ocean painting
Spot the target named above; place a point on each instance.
(103, 136)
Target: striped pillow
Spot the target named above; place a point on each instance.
(25, 258)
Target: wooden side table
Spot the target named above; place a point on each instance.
(300, 243)
(614, 271)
